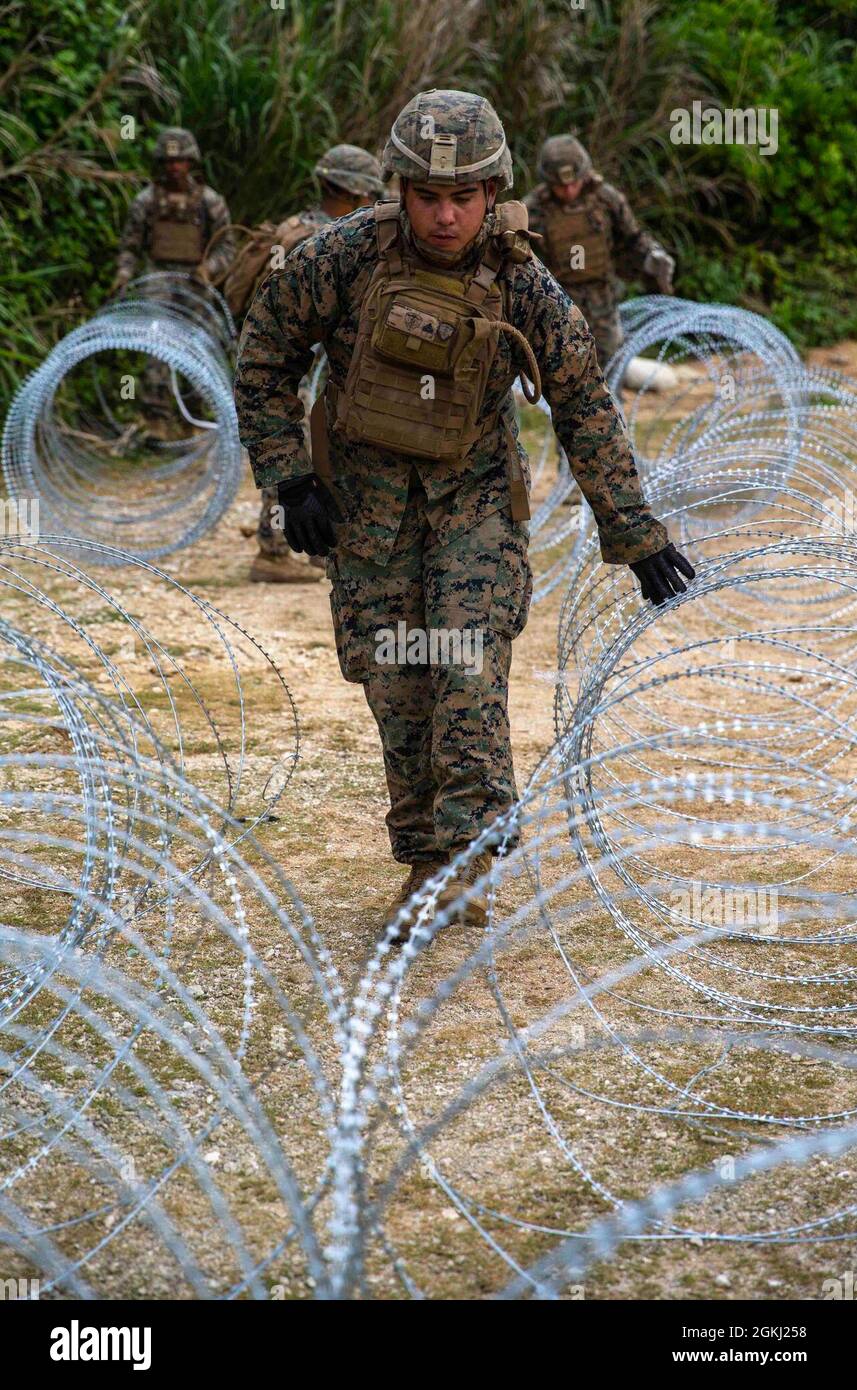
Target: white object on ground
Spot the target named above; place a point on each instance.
(643, 373)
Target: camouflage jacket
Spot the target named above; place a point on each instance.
(629, 244)
(316, 297)
(136, 234)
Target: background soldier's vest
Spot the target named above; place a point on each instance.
(252, 265)
(575, 229)
(177, 229)
(426, 340)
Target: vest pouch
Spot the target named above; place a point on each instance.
(418, 375)
(176, 241)
(420, 331)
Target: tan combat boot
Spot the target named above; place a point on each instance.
(282, 569)
(473, 913)
(419, 874)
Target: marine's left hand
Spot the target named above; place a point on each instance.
(659, 574)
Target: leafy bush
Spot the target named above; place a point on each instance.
(792, 221)
(69, 72)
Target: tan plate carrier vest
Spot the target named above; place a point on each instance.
(426, 340)
(576, 229)
(177, 227)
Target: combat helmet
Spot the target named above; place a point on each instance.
(563, 160)
(446, 136)
(176, 143)
(351, 168)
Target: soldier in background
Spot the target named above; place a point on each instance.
(349, 177)
(168, 228)
(590, 237)
(417, 489)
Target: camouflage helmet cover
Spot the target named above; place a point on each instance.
(176, 143)
(563, 160)
(447, 136)
(351, 168)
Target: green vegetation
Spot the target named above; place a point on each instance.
(266, 88)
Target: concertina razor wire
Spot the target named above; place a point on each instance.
(110, 481)
(671, 956)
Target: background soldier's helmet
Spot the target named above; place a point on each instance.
(176, 143)
(563, 160)
(450, 137)
(349, 167)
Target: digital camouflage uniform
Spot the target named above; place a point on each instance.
(356, 171)
(433, 543)
(603, 210)
(207, 208)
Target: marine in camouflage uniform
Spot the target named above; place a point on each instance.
(433, 543)
(168, 228)
(590, 235)
(349, 177)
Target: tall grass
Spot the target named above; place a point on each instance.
(67, 74)
(266, 90)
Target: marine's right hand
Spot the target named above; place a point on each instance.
(308, 514)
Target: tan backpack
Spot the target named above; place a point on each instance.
(253, 262)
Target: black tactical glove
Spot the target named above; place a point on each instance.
(658, 270)
(659, 574)
(308, 514)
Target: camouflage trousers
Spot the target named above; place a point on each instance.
(155, 394)
(272, 542)
(444, 725)
(598, 302)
